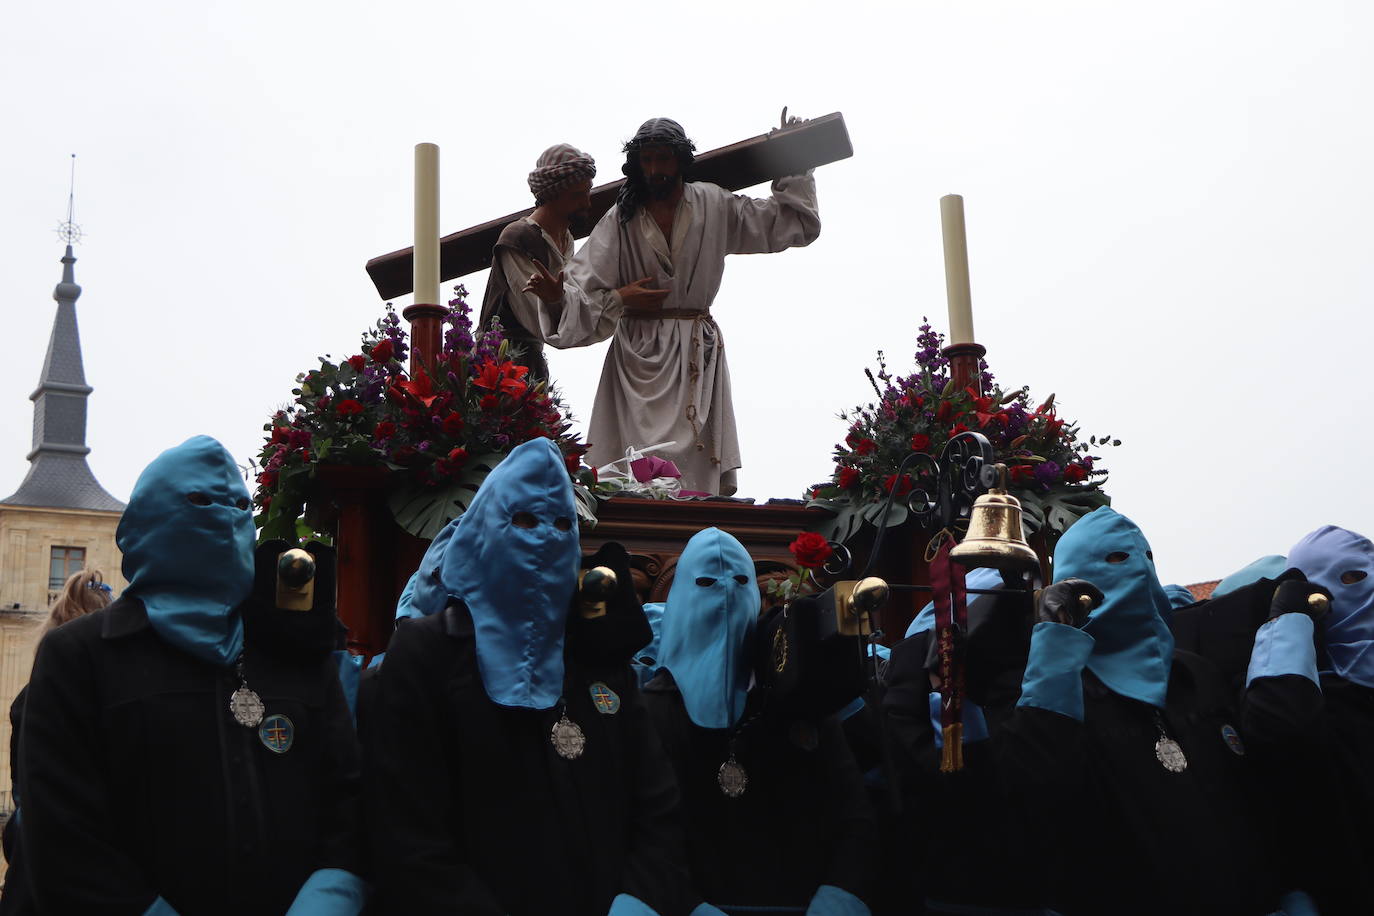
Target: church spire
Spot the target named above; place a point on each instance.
(58, 474)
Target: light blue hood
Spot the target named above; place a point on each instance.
(518, 582)
(645, 661)
(1348, 629)
(1270, 567)
(191, 565)
(981, 577)
(1132, 647)
(1179, 596)
(708, 622)
(425, 594)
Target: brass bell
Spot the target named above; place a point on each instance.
(594, 587)
(994, 535)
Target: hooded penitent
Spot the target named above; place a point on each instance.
(1270, 567)
(187, 539)
(1133, 648)
(513, 560)
(708, 621)
(1343, 562)
(425, 594)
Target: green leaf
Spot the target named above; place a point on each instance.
(586, 507)
(424, 511)
(873, 514)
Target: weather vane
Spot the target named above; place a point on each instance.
(67, 230)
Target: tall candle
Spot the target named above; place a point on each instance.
(956, 269)
(426, 224)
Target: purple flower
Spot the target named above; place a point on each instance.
(1047, 473)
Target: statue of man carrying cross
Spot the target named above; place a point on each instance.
(665, 377)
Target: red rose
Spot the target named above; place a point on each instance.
(1021, 473)
(865, 447)
(572, 463)
(1075, 473)
(849, 478)
(853, 438)
(458, 455)
(358, 362)
(957, 429)
(349, 407)
(268, 478)
(810, 549)
(382, 350)
(903, 486)
(323, 403)
(385, 430)
(920, 442)
(453, 424)
(281, 434)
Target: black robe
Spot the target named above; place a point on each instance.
(804, 819)
(471, 809)
(136, 782)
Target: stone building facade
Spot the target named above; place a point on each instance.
(59, 521)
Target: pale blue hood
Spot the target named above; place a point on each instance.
(424, 593)
(1270, 567)
(1132, 647)
(708, 623)
(191, 565)
(518, 582)
(1348, 629)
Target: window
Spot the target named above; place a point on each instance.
(64, 562)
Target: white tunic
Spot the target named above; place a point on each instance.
(555, 325)
(666, 379)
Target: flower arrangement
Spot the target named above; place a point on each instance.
(811, 551)
(1050, 470)
(440, 431)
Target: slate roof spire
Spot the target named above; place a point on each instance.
(58, 474)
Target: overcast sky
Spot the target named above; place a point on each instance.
(1168, 204)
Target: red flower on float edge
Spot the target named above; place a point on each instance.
(920, 442)
(810, 550)
(349, 408)
(359, 362)
(849, 478)
(903, 487)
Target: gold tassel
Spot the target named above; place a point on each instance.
(952, 759)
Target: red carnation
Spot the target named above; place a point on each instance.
(865, 447)
(811, 550)
(385, 430)
(458, 455)
(453, 424)
(903, 487)
(349, 407)
(849, 478)
(267, 478)
(1075, 473)
(920, 442)
(358, 362)
(383, 350)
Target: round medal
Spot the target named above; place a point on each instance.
(1232, 739)
(1170, 755)
(732, 779)
(246, 707)
(567, 738)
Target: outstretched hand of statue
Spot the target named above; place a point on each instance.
(544, 284)
(785, 121)
(638, 295)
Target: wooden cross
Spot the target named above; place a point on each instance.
(786, 151)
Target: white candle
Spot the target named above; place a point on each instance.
(426, 224)
(956, 269)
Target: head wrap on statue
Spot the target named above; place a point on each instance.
(653, 132)
(187, 539)
(708, 620)
(560, 166)
(513, 560)
(1132, 647)
(1328, 557)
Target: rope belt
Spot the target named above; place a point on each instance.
(667, 314)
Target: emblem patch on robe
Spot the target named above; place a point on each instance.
(277, 734)
(606, 700)
(1232, 739)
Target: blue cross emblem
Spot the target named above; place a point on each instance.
(277, 733)
(605, 699)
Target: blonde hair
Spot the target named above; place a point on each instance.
(82, 593)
